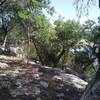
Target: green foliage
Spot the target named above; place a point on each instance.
(45, 32)
(27, 26)
(91, 30)
(91, 72)
(68, 32)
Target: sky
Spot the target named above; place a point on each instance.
(65, 8)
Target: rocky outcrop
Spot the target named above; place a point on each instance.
(14, 51)
(3, 65)
(35, 82)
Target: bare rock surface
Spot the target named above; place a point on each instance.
(3, 65)
(22, 81)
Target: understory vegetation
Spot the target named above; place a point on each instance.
(64, 44)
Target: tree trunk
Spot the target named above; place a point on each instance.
(61, 53)
(5, 40)
(38, 53)
(47, 57)
(92, 91)
(6, 44)
(29, 42)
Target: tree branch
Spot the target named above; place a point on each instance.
(61, 53)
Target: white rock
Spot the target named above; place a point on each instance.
(38, 98)
(3, 65)
(36, 76)
(44, 84)
(32, 62)
(3, 74)
(57, 78)
(71, 80)
(74, 81)
(47, 67)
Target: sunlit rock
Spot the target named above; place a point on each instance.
(3, 65)
(71, 80)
